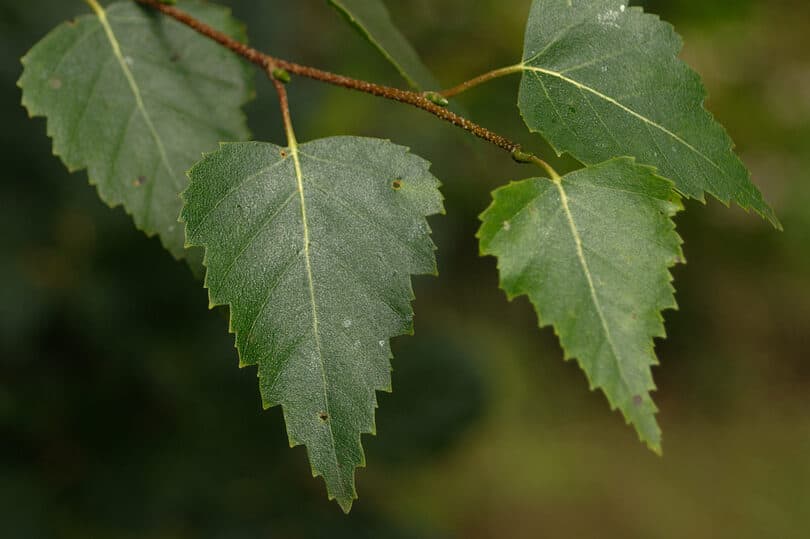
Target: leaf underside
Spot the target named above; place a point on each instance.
(128, 95)
(601, 80)
(372, 19)
(313, 248)
(592, 252)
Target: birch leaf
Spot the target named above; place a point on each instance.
(313, 248)
(592, 250)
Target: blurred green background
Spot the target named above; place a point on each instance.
(123, 413)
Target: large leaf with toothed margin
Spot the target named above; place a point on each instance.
(602, 80)
(372, 20)
(129, 95)
(313, 248)
(592, 250)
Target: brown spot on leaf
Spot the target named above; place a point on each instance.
(323, 416)
(55, 83)
(139, 181)
(283, 153)
(175, 57)
(397, 184)
(637, 400)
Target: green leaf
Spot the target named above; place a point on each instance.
(130, 96)
(372, 20)
(602, 80)
(313, 248)
(592, 250)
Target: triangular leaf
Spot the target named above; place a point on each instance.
(313, 248)
(128, 95)
(372, 20)
(602, 80)
(592, 250)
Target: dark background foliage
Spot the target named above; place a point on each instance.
(123, 413)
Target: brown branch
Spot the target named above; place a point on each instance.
(269, 63)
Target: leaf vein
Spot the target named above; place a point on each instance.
(299, 176)
(136, 91)
(241, 183)
(268, 219)
(591, 285)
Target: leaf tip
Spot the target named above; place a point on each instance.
(656, 447)
(345, 504)
(771, 217)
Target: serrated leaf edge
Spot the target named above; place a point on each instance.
(676, 206)
(345, 503)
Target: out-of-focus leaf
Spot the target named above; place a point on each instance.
(372, 20)
(129, 96)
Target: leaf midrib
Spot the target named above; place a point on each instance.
(133, 84)
(589, 278)
(299, 177)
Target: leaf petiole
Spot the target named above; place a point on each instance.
(481, 79)
(529, 158)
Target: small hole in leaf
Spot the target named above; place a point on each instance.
(397, 184)
(323, 416)
(139, 181)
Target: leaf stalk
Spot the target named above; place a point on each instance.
(481, 79)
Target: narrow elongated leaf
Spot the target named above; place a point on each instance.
(130, 96)
(603, 80)
(372, 20)
(313, 248)
(591, 251)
